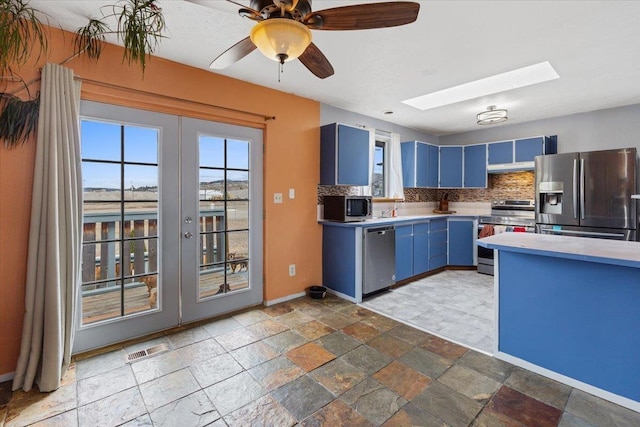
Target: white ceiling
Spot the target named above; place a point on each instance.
(593, 45)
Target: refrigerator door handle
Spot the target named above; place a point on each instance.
(581, 188)
(575, 188)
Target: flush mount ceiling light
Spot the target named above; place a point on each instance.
(527, 76)
(281, 39)
(492, 116)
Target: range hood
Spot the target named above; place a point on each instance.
(511, 167)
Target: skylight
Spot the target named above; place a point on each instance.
(526, 76)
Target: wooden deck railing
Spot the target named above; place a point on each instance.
(101, 260)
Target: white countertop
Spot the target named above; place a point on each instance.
(580, 248)
(403, 218)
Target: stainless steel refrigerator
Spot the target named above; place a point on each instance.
(587, 194)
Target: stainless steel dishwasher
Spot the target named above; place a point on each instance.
(379, 265)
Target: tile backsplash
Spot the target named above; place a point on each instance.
(512, 185)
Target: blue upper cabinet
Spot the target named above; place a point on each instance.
(528, 148)
(434, 166)
(520, 153)
(450, 167)
(419, 164)
(475, 166)
(344, 155)
(500, 152)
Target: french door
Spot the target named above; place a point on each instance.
(221, 218)
(172, 222)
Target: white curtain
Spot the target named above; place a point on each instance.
(394, 185)
(55, 236)
(365, 190)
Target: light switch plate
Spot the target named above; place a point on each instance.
(292, 193)
(277, 197)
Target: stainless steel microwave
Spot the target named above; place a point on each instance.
(347, 208)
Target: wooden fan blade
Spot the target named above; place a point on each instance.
(234, 54)
(364, 16)
(316, 62)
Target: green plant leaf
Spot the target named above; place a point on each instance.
(21, 34)
(90, 38)
(18, 119)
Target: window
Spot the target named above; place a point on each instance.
(380, 167)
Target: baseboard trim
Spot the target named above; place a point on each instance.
(607, 395)
(341, 295)
(7, 377)
(284, 299)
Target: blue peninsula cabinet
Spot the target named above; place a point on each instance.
(344, 155)
(420, 164)
(568, 309)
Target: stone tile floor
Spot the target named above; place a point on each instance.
(455, 304)
(309, 363)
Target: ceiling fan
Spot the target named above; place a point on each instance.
(282, 32)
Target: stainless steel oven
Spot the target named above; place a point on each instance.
(506, 216)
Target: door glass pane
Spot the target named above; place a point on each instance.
(237, 185)
(237, 154)
(100, 140)
(140, 182)
(212, 152)
(101, 181)
(140, 144)
(224, 216)
(237, 215)
(120, 221)
(211, 184)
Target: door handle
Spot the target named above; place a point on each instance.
(188, 235)
(582, 213)
(575, 188)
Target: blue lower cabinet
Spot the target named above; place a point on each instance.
(461, 242)
(438, 244)
(404, 252)
(420, 248)
(339, 259)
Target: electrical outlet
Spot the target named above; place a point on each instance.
(292, 269)
(277, 197)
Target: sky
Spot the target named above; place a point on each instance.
(101, 141)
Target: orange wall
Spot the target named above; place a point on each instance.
(291, 160)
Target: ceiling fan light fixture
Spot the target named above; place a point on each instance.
(492, 116)
(281, 39)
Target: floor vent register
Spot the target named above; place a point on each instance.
(148, 352)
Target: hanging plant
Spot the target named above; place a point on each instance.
(140, 27)
(140, 24)
(18, 120)
(21, 34)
